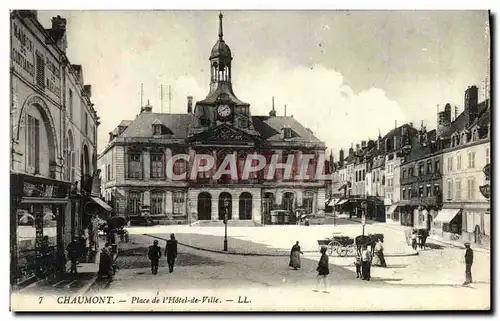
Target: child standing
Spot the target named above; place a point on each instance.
(357, 263)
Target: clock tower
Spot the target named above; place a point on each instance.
(221, 106)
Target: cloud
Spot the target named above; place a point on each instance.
(319, 99)
(316, 96)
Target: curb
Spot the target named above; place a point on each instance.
(263, 254)
(458, 246)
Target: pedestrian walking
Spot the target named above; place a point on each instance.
(105, 262)
(469, 259)
(73, 250)
(366, 261)
(323, 270)
(154, 255)
(425, 234)
(171, 252)
(357, 264)
(295, 256)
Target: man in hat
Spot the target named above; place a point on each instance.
(469, 258)
(154, 255)
(73, 250)
(171, 252)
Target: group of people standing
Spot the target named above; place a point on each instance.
(419, 238)
(365, 260)
(154, 254)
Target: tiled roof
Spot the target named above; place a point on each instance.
(270, 128)
(419, 151)
(141, 126)
(461, 121)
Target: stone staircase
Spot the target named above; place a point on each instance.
(231, 223)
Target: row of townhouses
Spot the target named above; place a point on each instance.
(52, 147)
(437, 179)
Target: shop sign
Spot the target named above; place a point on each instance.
(43, 190)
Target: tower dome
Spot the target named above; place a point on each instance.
(220, 49)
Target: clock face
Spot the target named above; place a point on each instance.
(224, 111)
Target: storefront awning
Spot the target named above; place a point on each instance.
(446, 215)
(392, 208)
(341, 202)
(333, 202)
(101, 204)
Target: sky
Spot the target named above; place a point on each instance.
(346, 75)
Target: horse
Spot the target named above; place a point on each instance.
(369, 240)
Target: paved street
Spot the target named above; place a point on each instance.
(431, 279)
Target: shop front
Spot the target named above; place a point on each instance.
(37, 229)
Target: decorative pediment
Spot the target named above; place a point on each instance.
(224, 134)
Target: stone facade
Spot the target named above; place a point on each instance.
(139, 152)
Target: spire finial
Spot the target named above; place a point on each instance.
(220, 25)
(273, 102)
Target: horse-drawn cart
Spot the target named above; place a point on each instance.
(342, 245)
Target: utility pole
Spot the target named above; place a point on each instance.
(169, 100)
(142, 94)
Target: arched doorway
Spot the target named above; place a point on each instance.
(477, 235)
(245, 212)
(222, 207)
(308, 201)
(288, 201)
(204, 206)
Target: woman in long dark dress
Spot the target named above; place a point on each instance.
(105, 262)
(323, 270)
(295, 256)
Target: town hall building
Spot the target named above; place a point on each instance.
(134, 164)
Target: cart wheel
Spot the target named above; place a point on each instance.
(331, 248)
(351, 249)
(342, 251)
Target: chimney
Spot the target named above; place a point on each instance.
(272, 113)
(444, 120)
(88, 90)
(357, 147)
(147, 109)
(411, 124)
(471, 104)
(378, 143)
(58, 32)
(341, 156)
(285, 110)
(351, 151)
(190, 104)
(363, 144)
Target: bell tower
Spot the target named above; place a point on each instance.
(220, 59)
(221, 106)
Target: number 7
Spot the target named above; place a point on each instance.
(41, 299)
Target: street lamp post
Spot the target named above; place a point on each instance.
(226, 210)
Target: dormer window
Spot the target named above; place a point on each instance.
(157, 129)
(287, 133)
(464, 138)
(475, 134)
